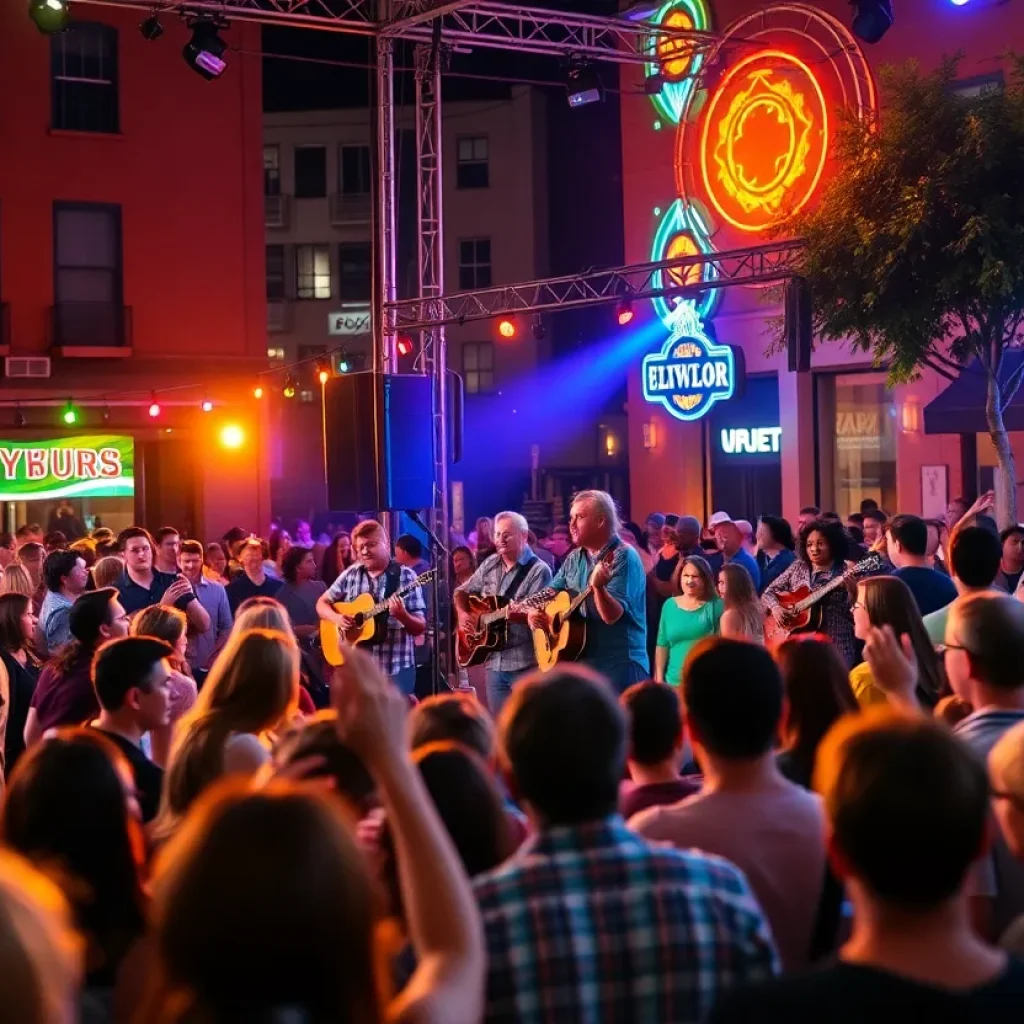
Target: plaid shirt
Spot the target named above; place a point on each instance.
(592, 924)
(398, 651)
(491, 579)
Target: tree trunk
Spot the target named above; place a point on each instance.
(1006, 487)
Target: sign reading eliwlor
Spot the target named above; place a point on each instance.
(96, 465)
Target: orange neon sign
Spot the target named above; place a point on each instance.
(764, 140)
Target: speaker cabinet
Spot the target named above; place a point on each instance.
(378, 442)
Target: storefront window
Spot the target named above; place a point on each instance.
(856, 441)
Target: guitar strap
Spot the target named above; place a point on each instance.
(512, 590)
(392, 581)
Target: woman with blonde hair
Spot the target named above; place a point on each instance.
(252, 689)
(165, 622)
(40, 953)
(742, 614)
(17, 580)
(225, 954)
(107, 571)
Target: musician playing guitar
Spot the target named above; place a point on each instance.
(376, 573)
(616, 611)
(821, 550)
(514, 572)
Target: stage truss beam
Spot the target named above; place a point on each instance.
(756, 265)
(355, 17)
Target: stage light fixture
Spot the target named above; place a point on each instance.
(204, 52)
(70, 414)
(583, 86)
(624, 314)
(19, 417)
(290, 387)
(507, 327)
(207, 405)
(154, 406)
(151, 28)
(871, 19)
(49, 16)
(540, 332)
(404, 345)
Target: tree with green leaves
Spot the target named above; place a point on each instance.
(916, 251)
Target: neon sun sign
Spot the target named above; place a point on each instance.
(751, 146)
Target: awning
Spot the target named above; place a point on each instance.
(960, 409)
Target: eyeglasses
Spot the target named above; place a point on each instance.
(856, 606)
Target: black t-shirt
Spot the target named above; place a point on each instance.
(241, 588)
(149, 778)
(854, 994)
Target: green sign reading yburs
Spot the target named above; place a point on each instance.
(97, 465)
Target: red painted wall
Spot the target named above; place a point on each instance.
(186, 170)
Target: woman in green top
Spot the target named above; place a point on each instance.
(690, 616)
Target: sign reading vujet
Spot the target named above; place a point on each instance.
(691, 372)
(97, 465)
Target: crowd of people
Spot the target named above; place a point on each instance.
(718, 811)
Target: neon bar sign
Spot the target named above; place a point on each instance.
(72, 467)
(691, 372)
(752, 441)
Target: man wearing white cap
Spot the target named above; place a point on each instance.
(729, 539)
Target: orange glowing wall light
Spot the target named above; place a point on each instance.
(764, 140)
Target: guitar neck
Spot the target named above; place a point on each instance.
(382, 606)
(541, 597)
(824, 591)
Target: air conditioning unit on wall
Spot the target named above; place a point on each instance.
(27, 366)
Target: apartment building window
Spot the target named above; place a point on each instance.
(472, 169)
(275, 274)
(355, 271)
(354, 171)
(474, 263)
(271, 170)
(310, 172)
(478, 367)
(87, 272)
(83, 69)
(313, 271)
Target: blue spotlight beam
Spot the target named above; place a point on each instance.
(759, 264)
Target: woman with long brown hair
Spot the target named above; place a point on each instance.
(692, 614)
(887, 601)
(337, 557)
(252, 689)
(742, 614)
(817, 693)
(263, 904)
(21, 671)
(167, 623)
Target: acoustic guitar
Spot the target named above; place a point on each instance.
(489, 632)
(567, 637)
(368, 622)
(804, 607)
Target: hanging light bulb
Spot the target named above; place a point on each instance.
(323, 371)
(289, 386)
(106, 414)
(154, 406)
(207, 405)
(19, 417)
(257, 392)
(70, 414)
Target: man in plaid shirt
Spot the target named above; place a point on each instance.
(588, 922)
(406, 617)
(513, 566)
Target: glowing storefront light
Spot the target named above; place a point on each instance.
(764, 140)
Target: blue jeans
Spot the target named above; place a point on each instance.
(406, 680)
(499, 689)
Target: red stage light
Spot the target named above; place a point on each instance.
(625, 314)
(507, 327)
(404, 345)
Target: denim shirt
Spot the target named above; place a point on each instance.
(612, 647)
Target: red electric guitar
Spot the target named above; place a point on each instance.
(802, 604)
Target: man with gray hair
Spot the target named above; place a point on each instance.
(616, 610)
(512, 572)
(984, 660)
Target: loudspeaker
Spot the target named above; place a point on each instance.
(798, 325)
(378, 442)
